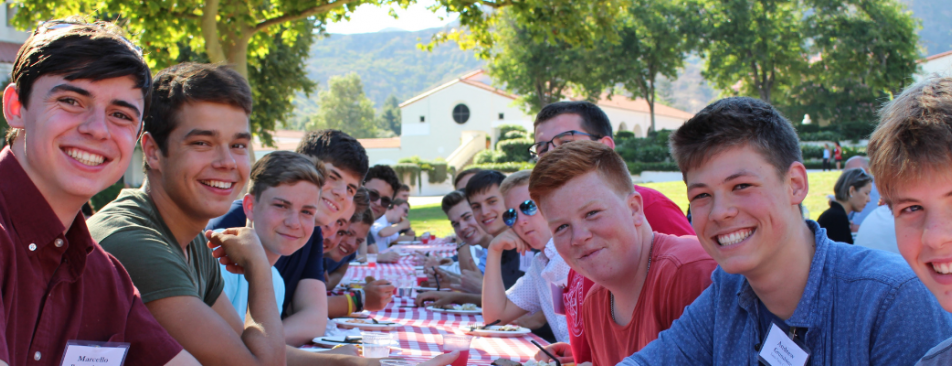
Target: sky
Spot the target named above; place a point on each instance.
(368, 18)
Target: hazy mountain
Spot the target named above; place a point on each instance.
(936, 15)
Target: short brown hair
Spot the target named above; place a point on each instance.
(514, 180)
(914, 135)
(76, 49)
(284, 167)
(189, 83)
(365, 216)
(361, 200)
(736, 122)
(452, 199)
(398, 202)
(577, 158)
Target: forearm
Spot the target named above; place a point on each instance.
(466, 260)
(263, 333)
(497, 305)
(337, 306)
(308, 317)
(297, 357)
(334, 278)
(389, 230)
(405, 238)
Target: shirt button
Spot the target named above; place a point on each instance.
(32, 248)
(37, 355)
(58, 243)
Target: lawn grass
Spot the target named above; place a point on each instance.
(431, 217)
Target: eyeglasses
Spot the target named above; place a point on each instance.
(47, 26)
(374, 196)
(528, 208)
(558, 140)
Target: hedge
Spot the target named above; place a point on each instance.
(513, 135)
(407, 169)
(623, 135)
(504, 129)
(511, 167)
(489, 156)
(515, 150)
(636, 167)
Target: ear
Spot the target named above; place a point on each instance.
(636, 205)
(797, 181)
(12, 107)
(607, 140)
(151, 152)
(248, 204)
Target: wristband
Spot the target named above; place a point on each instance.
(350, 304)
(363, 298)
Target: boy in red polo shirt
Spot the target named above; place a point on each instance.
(75, 105)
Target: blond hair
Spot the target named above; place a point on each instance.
(284, 167)
(514, 180)
(914, 135)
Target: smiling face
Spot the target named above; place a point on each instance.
(283, 217)
(206, 163)
(351, 239)
(743, 212)
(80, 134)
(923, 212)
(384, 190)
(533, 229)
(465, 226)
(488, 207)
(595, 229)
(337, 195)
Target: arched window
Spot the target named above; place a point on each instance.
(637, 131)
(461, 113)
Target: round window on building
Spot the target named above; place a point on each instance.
(461, 113)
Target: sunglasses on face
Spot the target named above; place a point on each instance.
(528, 208)
(374, 196)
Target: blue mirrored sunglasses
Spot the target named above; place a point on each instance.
(528, 208)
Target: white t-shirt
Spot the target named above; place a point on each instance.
(878, 231)
(236, 288)
(533, 291)
(382, 242)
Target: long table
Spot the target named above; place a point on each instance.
(419, 329)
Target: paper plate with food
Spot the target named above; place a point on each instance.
(457, 309)
(495, 330)
(364, 323)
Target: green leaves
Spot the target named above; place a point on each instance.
(345, 107)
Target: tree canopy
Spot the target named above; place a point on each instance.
(343, 106)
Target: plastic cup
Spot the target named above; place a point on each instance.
(371, 260)
(376, 344)
(461, 343)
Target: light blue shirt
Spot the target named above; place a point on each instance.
(860, 307)
(236, 288)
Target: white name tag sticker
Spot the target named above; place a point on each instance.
(84, 353)
(779, 350)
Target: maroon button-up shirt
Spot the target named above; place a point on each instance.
(55, 288)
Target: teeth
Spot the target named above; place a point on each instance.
(85, 157)
(734, 238)
(943, 268)
(217, 184)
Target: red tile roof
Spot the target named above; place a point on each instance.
(470, 78)
(641, 105)
(935, 56)
(8, 52)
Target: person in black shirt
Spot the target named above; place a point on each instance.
(852, 194)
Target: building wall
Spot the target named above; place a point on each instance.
(439, 135)
(7, 32)
(941, 66)
(639, 122)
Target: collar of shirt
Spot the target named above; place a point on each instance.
(556, 271)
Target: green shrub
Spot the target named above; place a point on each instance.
(515, 150)
(405, 170)
(812, 152)
(513, 135)
(643, 150)
(638, 167)
(511, 167)
(623, 135)
(438, 173)
(821, 136)
(504, 129)
(489, 156)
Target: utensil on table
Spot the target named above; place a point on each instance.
(491, 324)
(557, 363)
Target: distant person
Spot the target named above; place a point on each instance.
(878, 231)
(826, 157)
(852, 194)
(837, 154)
(404, 192)
(386, 230)
(463, 177)
(862, 162)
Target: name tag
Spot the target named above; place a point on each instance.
(86, 353)
(779, 350)
(558, 300)
(525, 261)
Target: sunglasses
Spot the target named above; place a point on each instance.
(374, 196)
(528, 208)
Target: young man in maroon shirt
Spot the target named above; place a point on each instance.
(563, 122)
(75, 105)
(643, 279)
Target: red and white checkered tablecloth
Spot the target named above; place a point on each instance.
(403, 268)
(419, 332)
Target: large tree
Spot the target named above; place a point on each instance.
(390, 118)
(343, 106)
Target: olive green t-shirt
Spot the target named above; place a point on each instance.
(131, 229)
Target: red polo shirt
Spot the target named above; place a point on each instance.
(55, 288)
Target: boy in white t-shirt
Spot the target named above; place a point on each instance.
(387, 228)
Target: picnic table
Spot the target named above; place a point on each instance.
(419, 330)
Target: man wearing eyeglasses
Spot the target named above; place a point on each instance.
(562, 122)
(533, 291)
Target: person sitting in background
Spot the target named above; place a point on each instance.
(386, 230)
(75, 106)
(382, 184)
(463, 177)
(779, 278)
(911, 152)
(337, 258)
(532, 293)
(403, 193)
(857, 217)
(643, 279)
(852, 194)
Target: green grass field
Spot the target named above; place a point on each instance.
(431, 218)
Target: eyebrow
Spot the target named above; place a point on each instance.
(243, 136)
(126, 104)
(197, 132)
(742, 173)
(87, 93)
(912, 200)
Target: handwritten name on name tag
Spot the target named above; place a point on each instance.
(84, 353)
(780, 350)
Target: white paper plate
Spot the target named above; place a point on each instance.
(314, 349)
(452, 311)
(330, 342)
(496, 333)
(364, 326)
